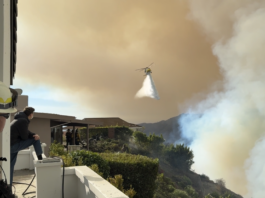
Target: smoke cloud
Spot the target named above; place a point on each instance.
(255, 170)
(85, 53)
(228, 127)
(148, 89)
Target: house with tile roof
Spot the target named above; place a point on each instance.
(51, 127)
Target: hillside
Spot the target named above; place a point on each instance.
(173, 160)
(168, 128)
(203, 185)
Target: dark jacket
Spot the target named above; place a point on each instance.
(19, 128)
(68, 136)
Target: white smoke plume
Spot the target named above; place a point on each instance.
(148, 89)
(255, 170)
(228, 128)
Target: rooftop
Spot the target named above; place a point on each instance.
(111, 121)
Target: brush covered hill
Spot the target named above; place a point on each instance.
(174, 163)
(170, 130)
(201, 183)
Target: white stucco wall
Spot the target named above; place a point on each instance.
(79, 182)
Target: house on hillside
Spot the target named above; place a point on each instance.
(51, 127)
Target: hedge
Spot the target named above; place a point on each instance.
(121, 132)
(89, 158)
(138, 171)
(98, 131)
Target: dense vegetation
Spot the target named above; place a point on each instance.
(167, 188)
(126, 171)
(137, 170)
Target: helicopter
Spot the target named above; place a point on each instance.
(147, 70)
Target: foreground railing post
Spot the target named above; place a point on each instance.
(48, 179)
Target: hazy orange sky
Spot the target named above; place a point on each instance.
(79, 58)
(85, 53)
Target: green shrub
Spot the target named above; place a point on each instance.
(140, 150)
(138, 171)
(89, 158)
(110, 145)
(163, 186)
(215, 194)
(140, 137)
(98, 131)
(95, 168)
(179, 156)
(220, 182)
(117, 181)
(191, 192)
(130, 193)
(156, 143)
(153, 143)
(205, 177)
(183, 181)
(180, 194)
(121, 132)
(57, 149)
(228, 195)
(68, 160)
(83, 133)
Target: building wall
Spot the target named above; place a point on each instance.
(22, 102)
(5, 77)
(41, 127)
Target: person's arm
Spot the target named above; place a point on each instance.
(31, 135)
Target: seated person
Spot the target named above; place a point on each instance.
(22, 138)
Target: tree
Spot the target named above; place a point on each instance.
(156, 143)
(220, 182)
(166, 188)
(179, 156)
(140, 137)
(191, 192)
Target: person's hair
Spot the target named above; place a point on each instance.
(76, 130)
(68, 130)
(28, 110)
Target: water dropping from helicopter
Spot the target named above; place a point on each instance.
(148, 89)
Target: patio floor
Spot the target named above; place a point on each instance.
(24, 176)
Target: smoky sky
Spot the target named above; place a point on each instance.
(228, 127)
(91, 49)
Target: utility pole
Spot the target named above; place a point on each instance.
(8, 39)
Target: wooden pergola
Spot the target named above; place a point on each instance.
(74, 124)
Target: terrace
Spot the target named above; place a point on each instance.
(79, 181)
